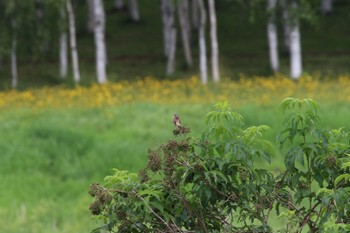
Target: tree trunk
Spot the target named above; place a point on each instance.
(134, 10)
(214, 41)
(185, 30)
(119, 4)
(286, 26)
(14, 63)
(73, 44)
(202, 43)
(172, 51)
(167, 11)
(272, 35)
(91, 17)
(63, 48)
(101, 56)
(63, 55)
(169, 30)
(326, 6)
(195, 14)
(14, 72)
(295, 47)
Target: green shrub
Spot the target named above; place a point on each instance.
(211, 184)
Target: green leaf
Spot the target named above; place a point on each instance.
(252, 133)
(341, 197)
(149, 192)
(287, 103)
(293, 154)
(120, 179)
(209, 117)
(217, 174)
(345, 177)
(157, 205)
(325, 191)
(345, 165)
(319, 178)
(312, 104)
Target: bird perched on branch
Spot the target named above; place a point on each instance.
(176, 120)
(179, 130)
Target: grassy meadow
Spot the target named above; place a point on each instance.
(56, 141)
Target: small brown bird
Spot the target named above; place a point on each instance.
(176, 120)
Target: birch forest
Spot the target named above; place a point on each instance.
(71, 41)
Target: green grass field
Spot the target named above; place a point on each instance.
(50, 157)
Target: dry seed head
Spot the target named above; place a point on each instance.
(154, 160)
(259, 207)
(243, 175)
(105, 198)
(95, 189)
(96, 208)
(121, 215)
(184, 145)
(303, 186)
(181, 130)
(331, 160)
(143, 176)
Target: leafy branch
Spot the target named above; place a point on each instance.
(211, 183)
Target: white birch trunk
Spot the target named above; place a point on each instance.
(170, 33)
(185, 30)
(295, 46)
(202, 43)
(63, 53)
(14, 72)
(167, 12)
(272, 35)
(73, 43)
(119, 4)
(91, 17)
(172, 51)
(295, 53)
(134, 10)
(214, 42)
(195, 14)
(101, 56)
(326, 6)
(286, 25)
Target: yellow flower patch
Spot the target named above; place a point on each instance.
(259, 90)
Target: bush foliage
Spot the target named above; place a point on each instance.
(212, 183)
